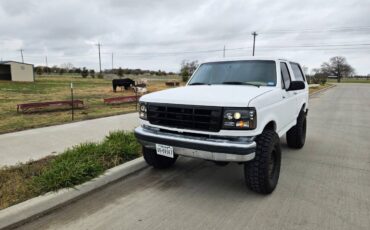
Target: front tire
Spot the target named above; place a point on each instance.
(262, 173)
(296, 136)
(157, 161)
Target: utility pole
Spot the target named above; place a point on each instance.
(46, 62)
(224, 51)
(99, 57)
(22, 55)
(254, 41)
(112, 62)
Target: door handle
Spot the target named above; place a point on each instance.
(283, 97)
(295, 93)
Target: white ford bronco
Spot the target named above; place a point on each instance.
(231, 110)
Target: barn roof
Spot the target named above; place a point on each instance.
(9, 62)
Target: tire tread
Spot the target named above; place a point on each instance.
(256, 177)
(294, 134)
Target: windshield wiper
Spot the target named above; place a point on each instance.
(198, 83)
(239, 83)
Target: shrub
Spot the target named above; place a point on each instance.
(319, 78)
(323, 80)
(100, 76)
(120, 72)
(62, 71)
(185, 78)
(92, 73)
(39, 70)
(84, 73)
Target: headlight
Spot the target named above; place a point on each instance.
(143, 111)
(235, 118)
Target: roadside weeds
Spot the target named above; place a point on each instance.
(320, 88)
(74, 166)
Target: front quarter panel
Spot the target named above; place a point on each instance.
(267, 106)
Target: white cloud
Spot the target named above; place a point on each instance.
(150, 34)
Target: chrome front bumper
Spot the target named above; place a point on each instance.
(199, 147)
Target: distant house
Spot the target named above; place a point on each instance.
(16, 71)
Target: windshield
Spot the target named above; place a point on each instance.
(259, 73)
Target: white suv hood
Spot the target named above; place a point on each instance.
(208, 95)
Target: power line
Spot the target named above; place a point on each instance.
(315, 30)
(362, 45)
(265, 48)
(312, 46)
(273, 31)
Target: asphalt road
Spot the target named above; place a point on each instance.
(325, 185)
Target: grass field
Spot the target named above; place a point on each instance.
(319, 87)
(55, 88)
(350, 80)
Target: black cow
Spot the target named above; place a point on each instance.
(126, 83)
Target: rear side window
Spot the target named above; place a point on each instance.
(285, 75)
(297, 72)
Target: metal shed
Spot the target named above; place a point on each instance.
(16, 71)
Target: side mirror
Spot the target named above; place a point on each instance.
(296, 85)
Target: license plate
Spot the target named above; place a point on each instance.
(164, 150)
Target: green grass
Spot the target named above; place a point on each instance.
(319, 87)
(73, 167)
(55, 88)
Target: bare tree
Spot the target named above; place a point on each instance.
(315, 71)
(67, 66)
(305, 70)
(187, 69)
(337, 66)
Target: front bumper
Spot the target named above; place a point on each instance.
(198, 147)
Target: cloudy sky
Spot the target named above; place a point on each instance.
(156, 35)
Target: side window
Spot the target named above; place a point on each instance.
(297, 72)
(285, 75)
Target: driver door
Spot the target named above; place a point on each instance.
(288, 97)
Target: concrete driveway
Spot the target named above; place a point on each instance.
(37, 143)
(325, 185)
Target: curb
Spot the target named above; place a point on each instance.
(321, 90)
(26, 211)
